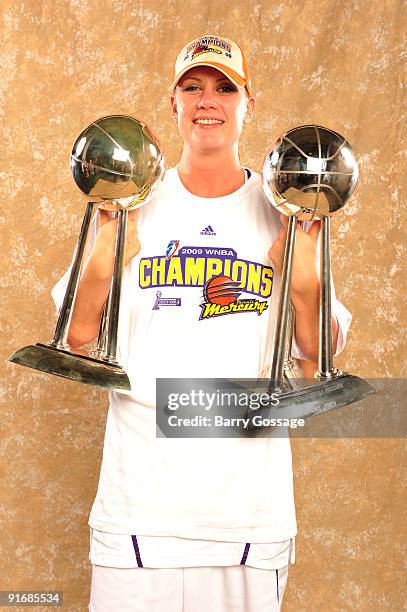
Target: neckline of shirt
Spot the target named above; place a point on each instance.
(248, 186)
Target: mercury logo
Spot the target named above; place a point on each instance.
(221, 297)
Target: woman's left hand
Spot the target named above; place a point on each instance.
(305, 274)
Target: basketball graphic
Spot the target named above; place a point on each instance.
(221, 290)
(200, 49)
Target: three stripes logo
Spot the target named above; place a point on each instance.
(208, 231)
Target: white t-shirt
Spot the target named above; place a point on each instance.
(225, 491)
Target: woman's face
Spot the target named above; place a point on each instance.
(210, 109)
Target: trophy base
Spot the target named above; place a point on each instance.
(80, 368)
(300, 403)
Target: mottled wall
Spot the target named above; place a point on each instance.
(65, 63)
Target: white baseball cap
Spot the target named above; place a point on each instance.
(220, 53)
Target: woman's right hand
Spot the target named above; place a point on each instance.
(96, 278)
(101, 260)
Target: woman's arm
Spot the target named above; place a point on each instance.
(305, 287)
(95, 281)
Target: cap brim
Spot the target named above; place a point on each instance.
(228, 72)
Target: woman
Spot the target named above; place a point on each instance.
(197, 524)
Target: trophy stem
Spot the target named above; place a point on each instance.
(100, 350)
(109, 328)
(325, 359)
(61, 331)
(284, 305)
(290, 332)
(289, 372)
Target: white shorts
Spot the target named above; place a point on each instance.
(237, 588)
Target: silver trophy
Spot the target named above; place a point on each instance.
(117, 162)
(309, 173)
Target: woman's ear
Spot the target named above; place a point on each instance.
(174, 108)
(251, 105)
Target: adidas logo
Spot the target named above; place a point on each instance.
(208, 231)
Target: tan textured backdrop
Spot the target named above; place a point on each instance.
(65, 63)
